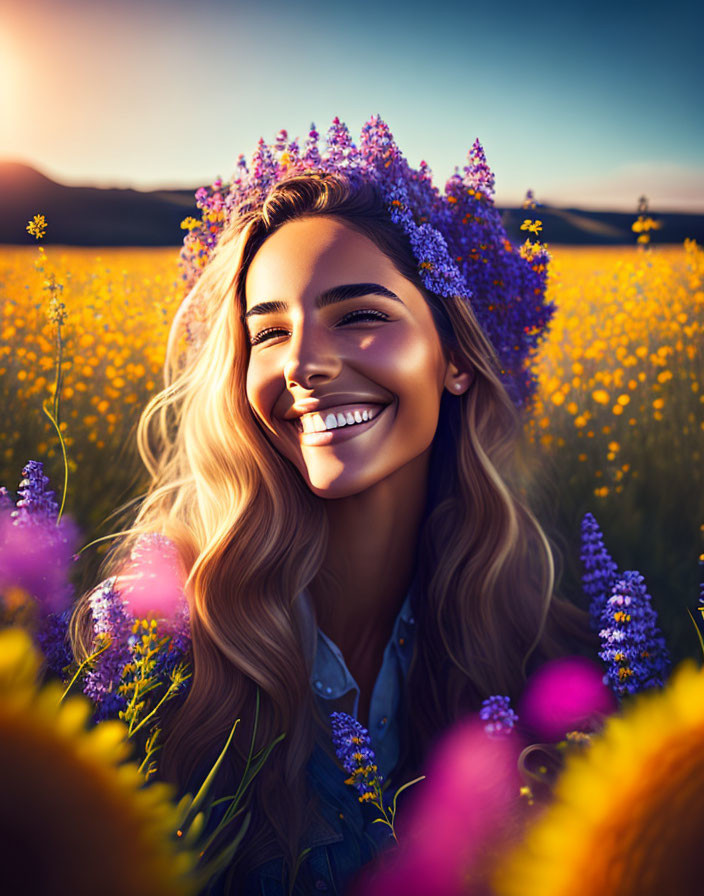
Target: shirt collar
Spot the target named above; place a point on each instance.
(323, 656)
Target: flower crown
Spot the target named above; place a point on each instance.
(457, 238)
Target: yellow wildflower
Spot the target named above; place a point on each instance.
(37, 226)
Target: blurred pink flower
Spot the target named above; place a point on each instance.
(152, 584)
(35, 556)
(564, 695)
(455, 820)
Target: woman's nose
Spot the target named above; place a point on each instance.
(311, 353)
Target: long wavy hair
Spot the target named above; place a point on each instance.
(251, 536)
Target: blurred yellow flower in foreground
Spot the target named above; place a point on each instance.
(629, 810)
(76, 818)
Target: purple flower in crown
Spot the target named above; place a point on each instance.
(464, 249)
(294, 152)
(311, 153)
(498, 716)
(633, 648)
(340, 152)
(600, 570)
(380, 151)
(437, 270)
(263, 166)
(396, 199)
(280, 141)
(439, 273)
(477, 174)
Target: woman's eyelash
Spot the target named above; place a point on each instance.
(354, 315)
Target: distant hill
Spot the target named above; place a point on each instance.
(89, 216)
(93, 216)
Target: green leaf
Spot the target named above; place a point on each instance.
(401, 789)
(223, 858)
(199, 798)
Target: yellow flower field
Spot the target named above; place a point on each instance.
(119, 305)
(618, 427)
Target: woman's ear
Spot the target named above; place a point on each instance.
(457, 381)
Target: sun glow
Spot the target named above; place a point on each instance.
(10, 70)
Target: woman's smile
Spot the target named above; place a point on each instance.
(343, 350)
(337, 425)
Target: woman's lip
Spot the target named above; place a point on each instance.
(332, 436)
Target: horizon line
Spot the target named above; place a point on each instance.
(680, 207)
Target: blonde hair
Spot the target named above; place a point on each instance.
(252, 536)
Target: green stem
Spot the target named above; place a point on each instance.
(57, 411)
(133, 702)
(148, 757)
(63, 451)
(102, 538)
(80, 669)
(170, 690)
(57, 380)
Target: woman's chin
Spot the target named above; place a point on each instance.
(338, 487)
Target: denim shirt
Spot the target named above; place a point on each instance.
(348, 838)
(331, 681)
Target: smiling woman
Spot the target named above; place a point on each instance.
(335, 463)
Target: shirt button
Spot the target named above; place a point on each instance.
(319, 685)
(383, 722)
(328, 690)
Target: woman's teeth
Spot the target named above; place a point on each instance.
(317, 422)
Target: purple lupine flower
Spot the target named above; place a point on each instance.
(281, 140)
(36, 503)
(110, 618)
(529, 201)
(477, 174)
(496, 712)
(340, 151)
(311, 154)
(36, 553)
(633, 648)
(52, 638)
(600, 571)
(353, 747)
(438, 271)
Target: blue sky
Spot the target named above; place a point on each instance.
(588, 104)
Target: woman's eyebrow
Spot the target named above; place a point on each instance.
(329, 297)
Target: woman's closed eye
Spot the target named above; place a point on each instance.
(352, 317)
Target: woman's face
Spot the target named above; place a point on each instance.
(346, 369)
